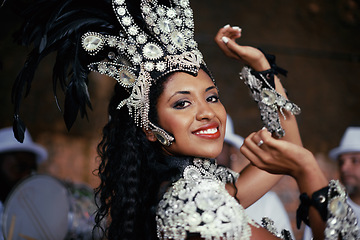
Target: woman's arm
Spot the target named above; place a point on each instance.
(252, 178)
(282, 157)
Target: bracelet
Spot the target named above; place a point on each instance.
(262, 87)
(331, 204)
(268, 224)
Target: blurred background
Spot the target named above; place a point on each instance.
(317, 41)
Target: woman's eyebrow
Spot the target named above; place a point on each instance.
(210, 88)
(177, 93)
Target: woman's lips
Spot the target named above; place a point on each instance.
(210, 131)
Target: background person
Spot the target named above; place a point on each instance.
(17, 161)
(347, 156)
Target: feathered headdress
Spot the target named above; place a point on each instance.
(135, 43)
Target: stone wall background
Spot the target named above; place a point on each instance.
(317, 41)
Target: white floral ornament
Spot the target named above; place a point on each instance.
(199, 203)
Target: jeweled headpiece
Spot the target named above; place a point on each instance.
(136, 55)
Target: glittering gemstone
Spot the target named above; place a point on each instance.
(268, 97)
(337, 208)
(164, 38)
(152, 51)
(141, 38)
(178, 21)
(102, 68)
(281, 102)
(111, 55)
(188, 12)
(126, 78)
(121, 45)
(121, 11)
(166, 26)
(161, 11)
(171, 49)
(126, 21)
(131, 49)
(189, 23)
(92, 42)
(146, 9)
(149, 66)
(112, 71)
(112, 41)
(184, 3)
(133, 30)
(171, 13)
(192, 43)
(161, 66)
(178, 39)
(137, 58)
(156, 30)
(288, 106)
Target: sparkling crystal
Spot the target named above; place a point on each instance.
(150, 21)
(126, 78)
(102, 68)
(161, 11)
(121, 45)
(268, 97)
(126, 21)
(137, 58)
(164, 38)
(149, 66)
(166, 26)
(338, 208)
(178, 39)
(156, 30)
(111, 55)
(131, 49)
(178, 21)
(112, 70)
(92, 42)
(133, 30)
(152, 51)
(171, 49)
(161, 66)
(141, 38)
(146, 9)
(188, 12)
(121, 11)
(112, 41)
(184, 3)
(171, 13)
(281, 101)
(288, 106)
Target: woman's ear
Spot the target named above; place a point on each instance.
(150, 135)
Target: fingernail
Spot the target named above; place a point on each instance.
(225, 39)
(226, 26)
(263, 128)
(237, 28)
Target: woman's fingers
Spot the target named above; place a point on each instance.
(226, 34)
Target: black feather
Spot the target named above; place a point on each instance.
(57, 26)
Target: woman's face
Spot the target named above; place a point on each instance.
(190, 109)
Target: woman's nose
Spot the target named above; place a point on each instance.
(205, 111)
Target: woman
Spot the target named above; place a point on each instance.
(167, 124)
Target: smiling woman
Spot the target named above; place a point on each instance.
(159, 178)
(190, 109)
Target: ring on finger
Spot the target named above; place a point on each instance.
(261, 142)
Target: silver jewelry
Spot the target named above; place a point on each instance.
(161, 135)
(261, 142)
(269, 101)
(341, 218)
(137, 58)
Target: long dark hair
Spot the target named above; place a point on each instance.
(129, 173)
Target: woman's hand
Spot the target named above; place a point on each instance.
(225, 39)
(278, 156)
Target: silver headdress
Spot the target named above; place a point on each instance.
(138, 57)
(107, 37)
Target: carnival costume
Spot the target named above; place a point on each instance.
(136, 47)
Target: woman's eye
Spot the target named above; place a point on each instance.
(181, 104)
(213, 98)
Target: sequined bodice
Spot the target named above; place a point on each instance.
(199, 203)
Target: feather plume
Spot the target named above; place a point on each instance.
(57, 26)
